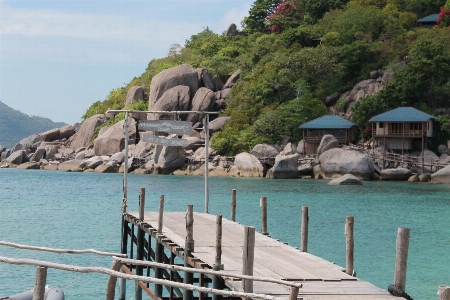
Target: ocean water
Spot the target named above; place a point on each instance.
(82, 210)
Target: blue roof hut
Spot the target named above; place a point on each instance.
(313, 131)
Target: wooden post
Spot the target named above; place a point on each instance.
(263, 204)
(294, 293)
(111, 284)
(159, 253)
(188, 249)
(444, 292)
(233, 205)
(304, 239)
(248, 257)
(124, 246)
(350, 245)
(401, 258)
(39, 285)
(140, 244)
(161, 213)
(217, 282)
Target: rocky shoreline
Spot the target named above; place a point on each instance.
(184, 88)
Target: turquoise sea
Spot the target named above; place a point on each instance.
(82, 210)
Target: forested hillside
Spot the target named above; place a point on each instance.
(294, 53)
(15, 125)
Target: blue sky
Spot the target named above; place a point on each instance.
(58, 57)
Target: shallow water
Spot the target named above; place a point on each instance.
(82, 210)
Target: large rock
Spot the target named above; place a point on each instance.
(29, 166)
(174, 99)
(286, 166)
(217, 124)
(113, 139)
(232, 79)
(5, 154)
(232, 30)
(248, 165)
(66, 132)
(441, 176)
(38, 155)
(265, 150)
(2, 149)
(180, 75)
(50, 151)
(208, 80)
(106, 168)
(301, 147)
(328, 142)
(73, 165)
(168, 159)
(289, 149)
(347, 179)
(83, 137)
(401, 174)
(362, 89)
(338, 161)
(16, 157)
(135, 93)
(33, 141)
(203, 101)
(50, 135)
(142, 150)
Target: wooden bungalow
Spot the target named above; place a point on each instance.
(428, 21)
(313, 131)
(397, 129)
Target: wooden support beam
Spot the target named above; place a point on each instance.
(188, 249)
(160, 213)
(217, 282)
(401, 258)
(111, 283)
(263, 205)
(444, 293)
(124, 246)
(304, 229)
(350, 245)
(248, 257)
(140, 244)
(233, 205)
(39, 285)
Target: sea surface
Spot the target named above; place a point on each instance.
(82, 210)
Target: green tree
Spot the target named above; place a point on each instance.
(258, 15)
(315, 9)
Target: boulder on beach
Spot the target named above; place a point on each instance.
(167, 159)
(248, 165)
(286, 166)
(441, 176)
(265, 150)
(29, 166)
(17, 157)
(401, 174)
(112, 140)
(347, 179)
(134, 93)
(217, 124)
(328, 142)
(83, 137)
(203, 101)
(33, 141)
(73, 165)
(338, 161)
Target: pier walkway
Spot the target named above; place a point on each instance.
(272, 259)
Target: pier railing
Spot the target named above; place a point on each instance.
(119, 262)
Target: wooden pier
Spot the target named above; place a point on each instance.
(271, 259)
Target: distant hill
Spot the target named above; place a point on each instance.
(15, 125)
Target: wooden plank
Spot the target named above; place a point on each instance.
(321, 279)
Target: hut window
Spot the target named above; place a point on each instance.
(339, 133)
(397, 128)
(415, 126)
(380, 125)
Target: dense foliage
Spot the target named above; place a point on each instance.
(15, 125)
(296, 52)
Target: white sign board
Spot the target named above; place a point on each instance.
(178, 127)
(163, 141)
